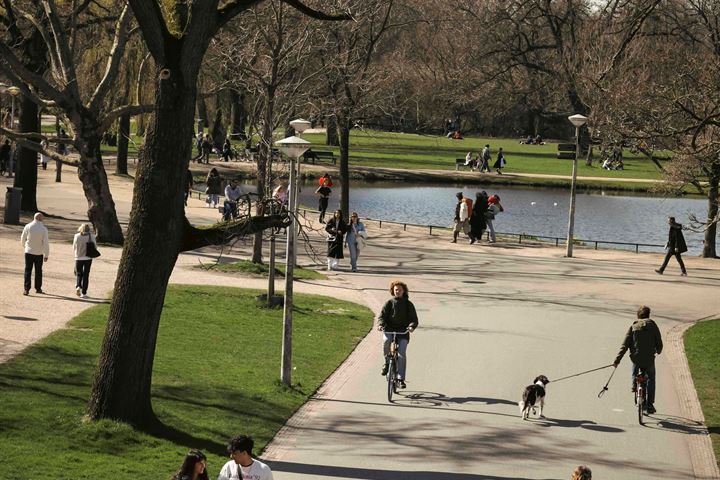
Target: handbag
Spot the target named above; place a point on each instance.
(91, 250)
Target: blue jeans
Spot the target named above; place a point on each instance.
(230, 210)
(402, 353)
(352, 247)
(650, 372)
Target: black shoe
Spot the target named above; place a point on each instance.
(384, 370)
(658, 271)
(472, 240)
(37, 290)
(683, 274)
(650, 409)
(26, 292)
(402, 384)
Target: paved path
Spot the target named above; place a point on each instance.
(491, 319)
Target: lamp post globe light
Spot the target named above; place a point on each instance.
(300, 125)
(578, 121)
(293, 147)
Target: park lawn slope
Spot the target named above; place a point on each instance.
(215, 375)
(702, 348)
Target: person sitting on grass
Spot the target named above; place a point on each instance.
(194, 467)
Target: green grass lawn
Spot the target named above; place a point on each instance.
(412, 151)
(262, 269)
(215, 376)
(702, 347)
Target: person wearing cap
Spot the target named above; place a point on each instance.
(462, 215)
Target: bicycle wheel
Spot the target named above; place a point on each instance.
(640, 404)
(391, 379)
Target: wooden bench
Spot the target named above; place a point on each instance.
(460, 162)
(312, 155)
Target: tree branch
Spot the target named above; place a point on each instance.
(222, 233)
(30, 141)
(316, 14)
(152, 23)
(131, 110)
(113, 64)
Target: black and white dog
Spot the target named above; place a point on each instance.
(533, 397)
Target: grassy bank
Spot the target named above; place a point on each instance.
(261, 270)
(702, 347)
(215, 375)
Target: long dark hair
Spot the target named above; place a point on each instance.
(187, 470)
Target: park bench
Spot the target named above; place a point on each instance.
(460, 162)
(312, 155)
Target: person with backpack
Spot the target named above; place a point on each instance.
(644, 341)
(675, 247)
(324, 192)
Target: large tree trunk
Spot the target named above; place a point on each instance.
(121, 387)
(238, 117)
(344, 127)
(709, 247)
(101, 206)
(331, 132)
(121, 166)
(26, 177)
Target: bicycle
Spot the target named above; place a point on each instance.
(392, 381)
(641, 402)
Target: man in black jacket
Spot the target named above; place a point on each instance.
(644, 341)
(675, 246)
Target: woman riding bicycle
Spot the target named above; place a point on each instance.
(397, 315)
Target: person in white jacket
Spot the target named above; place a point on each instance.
(36, 244)
(462, 214)
(82, 261)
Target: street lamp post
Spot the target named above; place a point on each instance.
(14, 92)
(578, 121)
(293, 147)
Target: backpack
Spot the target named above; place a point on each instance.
(469, 204)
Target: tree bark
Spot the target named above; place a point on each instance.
(331, 132)
(26, 177)
(709, 247)
(344, 127)
(101, 206)
(238, 117)
(121, 166)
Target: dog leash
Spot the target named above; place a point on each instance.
(605, 388)
(582, 373)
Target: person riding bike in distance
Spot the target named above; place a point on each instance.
(644, 341)
(397, 315)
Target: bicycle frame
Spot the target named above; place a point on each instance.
(392, 364)
(641, 393)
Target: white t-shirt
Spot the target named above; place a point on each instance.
(256, 471)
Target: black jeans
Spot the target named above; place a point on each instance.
(650, 372)
(82, 270)
(668, 255)
(30, 262)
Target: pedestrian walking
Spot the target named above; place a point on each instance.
(83, 262)
(485, 157)
(324, 192)
(478, 218)
(206, 149)
(35, 242)
(675, 246)
(194, 467)
(326, 180)
(335, 229)
(213, 188)
(355, 239)
(189, 181)
(243, 465)
(499, 162)
(5, 153)
(494, 207)
(462, 216)
(44, 159)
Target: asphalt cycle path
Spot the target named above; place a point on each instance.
(491, 319)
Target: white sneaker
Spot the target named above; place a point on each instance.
(77, 291)
(83, 296)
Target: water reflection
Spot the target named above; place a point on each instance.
(541, 211)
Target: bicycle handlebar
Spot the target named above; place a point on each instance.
(397, 333)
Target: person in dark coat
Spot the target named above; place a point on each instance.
(477, 219)
(213, 188)
(644, 341)
(397, 315)
(500, 162)
(335, 229)
(675, 246)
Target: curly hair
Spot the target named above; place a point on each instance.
(582, 473)
(643, 312)
(406, 292)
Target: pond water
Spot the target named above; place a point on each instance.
(534, 211)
